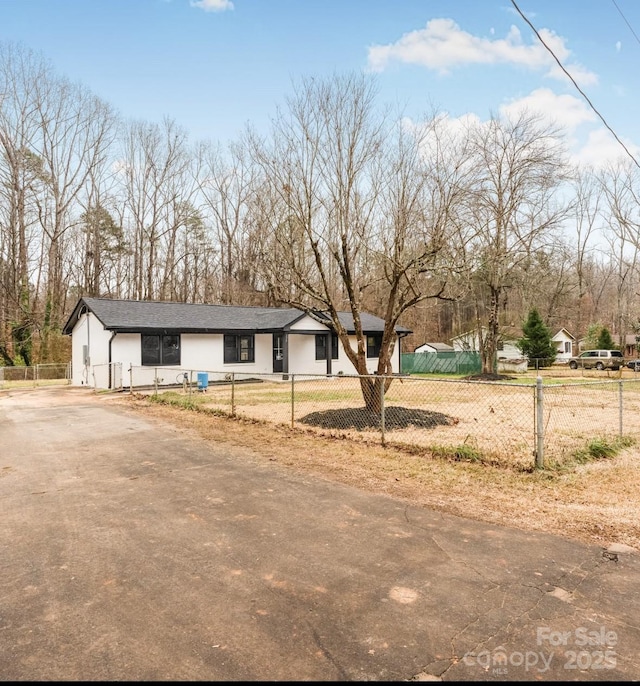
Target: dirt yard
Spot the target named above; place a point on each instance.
(494, 421)
(597, 502)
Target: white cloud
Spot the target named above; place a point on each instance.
(618, 46)
(442, 45)
(212, 5)
(602, 149)
(566, 111)
(597, 150)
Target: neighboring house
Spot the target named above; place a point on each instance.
(564, 343)
(434, 348)
(218, 338)
(507, 348)
(630, 345)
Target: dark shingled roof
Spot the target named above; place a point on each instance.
(139, 316)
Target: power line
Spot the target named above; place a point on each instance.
(584, 95)
(615, 4)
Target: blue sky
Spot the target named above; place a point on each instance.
(213, 65)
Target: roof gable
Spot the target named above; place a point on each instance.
(438, 347)
(561, 333)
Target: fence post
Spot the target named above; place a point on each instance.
(190, 382)
(620, 404)
(539, 424)
(233, 394)
(382, 408)
(292, 402)
(155, 381)
(131, 380)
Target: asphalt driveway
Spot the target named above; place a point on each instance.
(132, 550)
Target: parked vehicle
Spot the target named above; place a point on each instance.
(598, 359)
(634, 364)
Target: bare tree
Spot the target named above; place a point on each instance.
(76, 131)
(356, 203)
(20, 180)
(155, 162)
(226, 186)
(520, 167)
(587, 192)
(621, 213)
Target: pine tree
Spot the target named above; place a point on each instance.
(536, 342)
(605, 342)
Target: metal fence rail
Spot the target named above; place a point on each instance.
(510, 424)
(54, 373)
(108, 376)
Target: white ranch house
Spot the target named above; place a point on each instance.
(508, 352)
(507, 349)
(110, 337)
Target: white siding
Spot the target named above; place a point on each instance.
(90, 332)
(127, 348)
(202, 352)
(510, 352)
(563, 341)
(425, 348)
(79, 373)
(302, 355)
(308, 324)
(198, 353)
(465, 342)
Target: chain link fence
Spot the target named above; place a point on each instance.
(518, 425)
(50, 374)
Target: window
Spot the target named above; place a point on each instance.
(334, 346)
(160, 350)
(238, 348)
(374, 341)
(321, 346)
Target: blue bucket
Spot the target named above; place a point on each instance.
(203, 381)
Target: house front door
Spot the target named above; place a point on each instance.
(278, 352)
